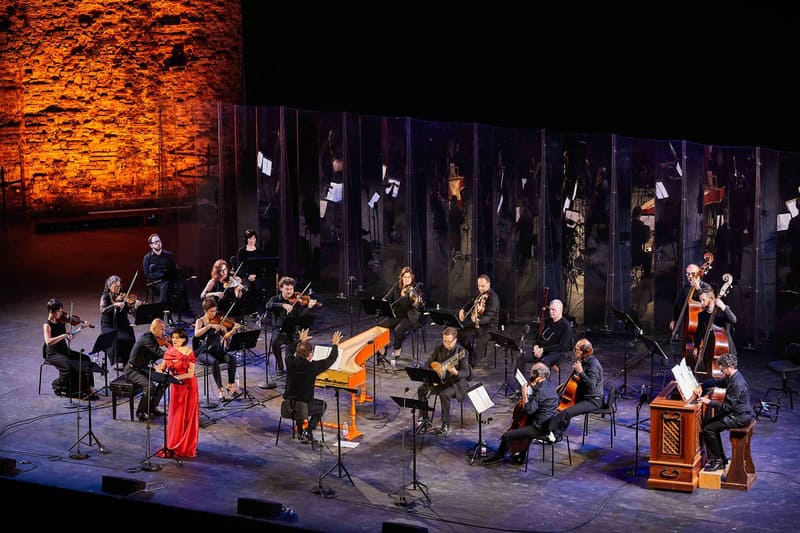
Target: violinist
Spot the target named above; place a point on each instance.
(734, 412)
(58, 333)
(481, 317)
(114, 311)
(225, 288)
(406, 299)
(146, 351)
(287, 304)
(695, 282)
(210, 336)
(538, 404)
(555, 345)
(723, 318)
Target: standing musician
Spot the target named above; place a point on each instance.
(449, 359)
(734, 412)
(114, 310)
(724, 320)
(225, 288)
(482, 312)
(247, 269)
(211, 334)
(58, 331)
(588, 373)
(699, 286)
(160, 269)
(287, 304)
(554, 346)
(302, 372)
(147, 350)
(406, 299)
(539, 403)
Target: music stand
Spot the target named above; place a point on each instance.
(414, 484)
(654, 348)
(378, 309)
(339, 462)
(424, 375)
(102, 343)
(481, 402)
(632, 327)
(506, 343)
(445, 318)
(146, 313)
(243, 342)
(93, 367)
(165, 379)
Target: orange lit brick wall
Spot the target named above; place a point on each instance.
(107, 104)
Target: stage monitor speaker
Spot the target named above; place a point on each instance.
(402, 527)
(7, 465)
(122, 486)
(258, 508)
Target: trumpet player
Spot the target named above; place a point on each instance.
(449, 360)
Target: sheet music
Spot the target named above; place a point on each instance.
(520, 378)
(322, 352)
(480, 399)
(685, 380)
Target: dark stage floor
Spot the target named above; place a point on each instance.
(238, 457)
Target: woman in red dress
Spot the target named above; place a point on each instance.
(183, 424)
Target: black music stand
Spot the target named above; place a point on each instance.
(339, 462)
(244, 342)
(414, 484)
(166, 379)
(93, 367)
(654, 348)
(632, 327)
(378, 309)
(481, 402)
(445, 318)
(506, 343)
(103, 343)
(146, 313)
(424, 375)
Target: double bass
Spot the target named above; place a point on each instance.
(690, 310)
(715, 339)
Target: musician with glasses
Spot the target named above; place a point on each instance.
(555, 345)
(587, 372)
(482, 313)
(450, 361)
(160, 269)
(114, 311)
(695, 282)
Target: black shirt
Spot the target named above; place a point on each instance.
(158, 267)
(736, 406)
(490, 310)
(542, 404)
(557, 337)
(145, 350)
(301, 374)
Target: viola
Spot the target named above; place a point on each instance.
(226, 322)
(301, 300)
(75, 320)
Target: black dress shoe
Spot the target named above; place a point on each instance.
(142, 417)
(493, 459)
(713, 465)
(444, 430)
(156, 412)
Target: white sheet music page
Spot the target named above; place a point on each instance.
(520, 378)
(322, 352)
(480, 399)
(685, 379)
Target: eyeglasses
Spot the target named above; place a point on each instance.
(155, 241)
(691, 275)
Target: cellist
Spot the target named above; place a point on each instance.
(538, 404)
(588, 372)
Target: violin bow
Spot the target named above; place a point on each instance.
(301, 295)
(125, 299)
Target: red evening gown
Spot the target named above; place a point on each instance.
(183, 418)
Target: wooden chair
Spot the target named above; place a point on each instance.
(741, 472)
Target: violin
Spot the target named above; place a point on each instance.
(225, 321)
(75, 320)
(302, 300)
(164, 341)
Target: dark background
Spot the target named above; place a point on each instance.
(702, 72)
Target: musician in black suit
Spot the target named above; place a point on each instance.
(160, 269)
(555, 344)
(302, 371)
(588, 373)
(538, 404)
(734, 412)
(147, 350)
(483, 313)
(450, 357)
(282, 306)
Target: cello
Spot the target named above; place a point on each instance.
(519, 419)
(715, 339)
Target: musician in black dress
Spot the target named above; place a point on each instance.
(224, 287)
(74, 368)
(588, 373)
(555, 346)
(146, 351)
(539, 403)
(734, 412)
(482, 313)
(302, 371)
(723, 318)
(451, 359)
(285, 305)
(406, 299)
(160, 269)
(114, 312)
(694, 282)
(209, 342)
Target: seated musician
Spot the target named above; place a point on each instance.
(302, 371)
(160, 269)
(482, 313)
(450, 358)
(223, 287)
(210, 338)
(694, 282)
(588, 373)
(406, 300)
(554, 347)
(114, 313)
(724, 319)
(286, 304)
(539, 403)
(147, 350)
(58, 333)
(734, 412)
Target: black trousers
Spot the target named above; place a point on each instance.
(712, 436)
(481, 337)
(444, 393)
(526, 432)
(151, 392)
(401, 327)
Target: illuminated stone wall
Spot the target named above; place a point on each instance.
(109, 104)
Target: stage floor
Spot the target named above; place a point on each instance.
(238, 457)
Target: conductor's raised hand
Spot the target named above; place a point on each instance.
(336, 338)
(304, 336)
